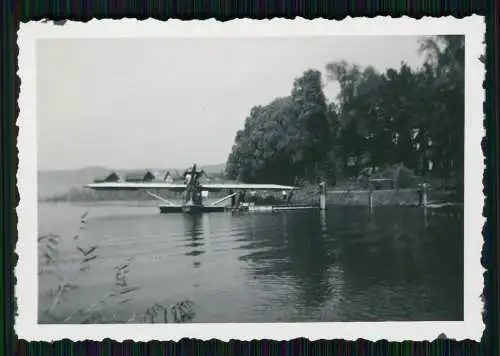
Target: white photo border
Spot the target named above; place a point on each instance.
(26, 292)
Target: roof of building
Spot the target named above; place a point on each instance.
(110, 177)
(139, 175)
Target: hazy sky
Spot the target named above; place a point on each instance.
(154, 103)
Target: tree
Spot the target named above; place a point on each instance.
(446, 66)
(309, 104)
(357, 112)
(286, 139)
(262, 150)
(402, 117)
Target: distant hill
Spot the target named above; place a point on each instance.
(55, 182)
(58, 182)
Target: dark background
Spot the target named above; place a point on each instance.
(15, 11)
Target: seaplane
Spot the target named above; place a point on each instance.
(192, 189)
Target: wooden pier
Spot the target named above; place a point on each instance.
(275, 208)
(166, 209)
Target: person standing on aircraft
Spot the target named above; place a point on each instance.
(241, 197)
(194, 175)
(193, 187)
(189, 180)
(188, 174)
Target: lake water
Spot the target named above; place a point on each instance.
(346, 264)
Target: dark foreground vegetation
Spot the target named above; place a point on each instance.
(66, 274)
(405, 124)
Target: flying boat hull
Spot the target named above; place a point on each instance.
(191, 209)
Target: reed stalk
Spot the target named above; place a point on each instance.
(121, 293)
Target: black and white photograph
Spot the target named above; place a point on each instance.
(317, 179)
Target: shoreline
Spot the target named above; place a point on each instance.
(307, 195)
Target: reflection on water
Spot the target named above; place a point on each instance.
(193, 227)
(345, 264)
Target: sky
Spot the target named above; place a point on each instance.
(163, 103)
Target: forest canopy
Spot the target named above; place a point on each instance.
(405, 117)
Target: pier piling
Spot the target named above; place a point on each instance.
(322, 196)
(423, 194)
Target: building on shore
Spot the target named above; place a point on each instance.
(139, 176)
(110, 177)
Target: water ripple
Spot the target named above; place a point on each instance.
(342, 265)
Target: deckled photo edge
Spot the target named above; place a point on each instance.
(26, 326)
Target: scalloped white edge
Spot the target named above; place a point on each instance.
(26, 326)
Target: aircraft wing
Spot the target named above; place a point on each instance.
(136, 186)
(212, 187)
(244, 186)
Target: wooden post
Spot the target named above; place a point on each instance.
(425, 191)
(370, 195)
(322, 196)
(423, 194)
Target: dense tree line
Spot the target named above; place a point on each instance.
(407, 117)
